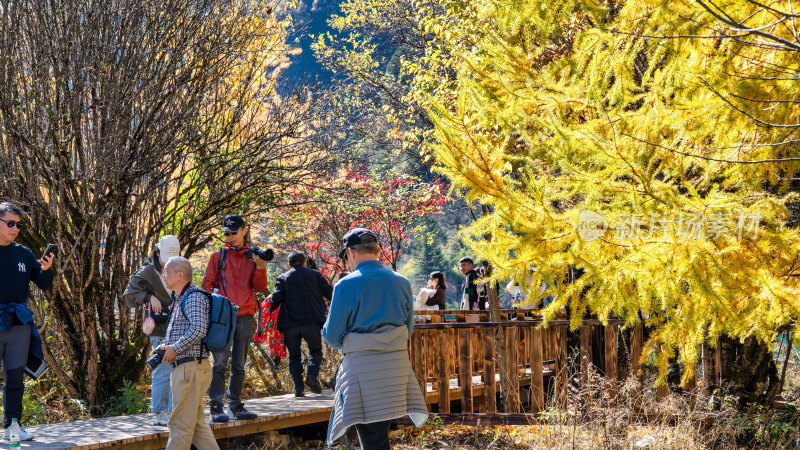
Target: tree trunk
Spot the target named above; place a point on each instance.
(748, 371)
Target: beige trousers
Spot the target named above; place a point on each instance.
(187, 424)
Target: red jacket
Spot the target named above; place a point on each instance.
(241, 279)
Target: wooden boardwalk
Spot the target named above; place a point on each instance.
(138, 432)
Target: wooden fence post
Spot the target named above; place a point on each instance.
(489, 383)
(512, 397)
(537, 367)
(586, 355)
(610, 360)
(636, 352)
(465, 369)
(444, 372)
(418, 360)
(562, 368)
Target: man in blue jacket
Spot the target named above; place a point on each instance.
(18, 335)
(371, 319)
(299, 293)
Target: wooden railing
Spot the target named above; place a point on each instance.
(456, 361)
(462, 315)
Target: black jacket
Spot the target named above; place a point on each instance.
(299, 292)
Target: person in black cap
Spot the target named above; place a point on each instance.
(371, 318)
(236, 273)
(301, 292)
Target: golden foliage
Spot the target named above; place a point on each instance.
(672, 126)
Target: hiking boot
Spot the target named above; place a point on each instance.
(23, 435)
(299, 394)
(313, 385)
(162, 419)
(217, 413)
(241, 414)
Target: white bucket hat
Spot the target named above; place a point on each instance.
(168, 247)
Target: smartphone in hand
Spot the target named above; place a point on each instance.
(51, 249)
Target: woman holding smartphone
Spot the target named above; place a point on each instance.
(19, 337)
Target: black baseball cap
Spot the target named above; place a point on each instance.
(356, 236)
(232, 222)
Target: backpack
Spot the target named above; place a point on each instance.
(221, 320)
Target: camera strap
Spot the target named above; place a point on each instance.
(221, 270)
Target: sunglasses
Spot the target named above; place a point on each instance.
(230, 233)
(13, 223)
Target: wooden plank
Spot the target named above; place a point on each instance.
(277, 424)
(430, 354)
(480, 419)
(137, 432)
(489, 366)
(610, 360)
(585, 354)
(513, 401)
(562, 369)
(417, 361)
(465, 373)
(519, 349)
(636, 352)
(432, 397)
(452, 344)
(537, 368)
(509, 323)
(477, 361)
(444, 374)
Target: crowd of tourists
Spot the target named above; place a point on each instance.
(367, 316)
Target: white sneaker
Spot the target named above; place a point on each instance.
(162, 419)
(23, 435)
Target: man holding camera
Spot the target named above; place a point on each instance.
(300, 292)
(235, 271)
(184, 350)
(20, 344)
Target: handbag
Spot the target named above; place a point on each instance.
(148, 325)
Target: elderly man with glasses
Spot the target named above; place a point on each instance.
(234, 272)
(20, 344)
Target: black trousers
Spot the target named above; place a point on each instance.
(374, 436)
(14, 345)
(292, 336)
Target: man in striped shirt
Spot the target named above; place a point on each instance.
(185, 350)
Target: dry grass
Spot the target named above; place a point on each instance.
(634, 420)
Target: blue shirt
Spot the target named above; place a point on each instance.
(367, 299)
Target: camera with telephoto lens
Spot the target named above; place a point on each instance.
(266, 254)
(155, 360)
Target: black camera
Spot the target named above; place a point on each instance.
(266, 254)
(155, 360)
